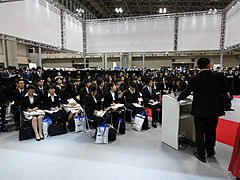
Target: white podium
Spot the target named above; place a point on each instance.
(176, 121)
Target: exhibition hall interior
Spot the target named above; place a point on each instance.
(120, 89)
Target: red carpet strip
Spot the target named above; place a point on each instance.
(226, 131)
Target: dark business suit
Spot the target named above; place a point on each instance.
(59, 91)
(207, 88)
(41, 92)
(90, 107)
(17, 98)
(108, 99)
(147, 96)
(48, 103)
(60, 115)
(118, 113)
(27, 105)
(131, 98)
(165, 87)
(83, 92)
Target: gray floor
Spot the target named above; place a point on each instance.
(135, 156)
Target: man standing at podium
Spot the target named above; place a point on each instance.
(208, 88)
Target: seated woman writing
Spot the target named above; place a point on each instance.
(30, 107)
(52, 103)
(111, 100)
(93, 109)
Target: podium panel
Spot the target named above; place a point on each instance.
(176, 121)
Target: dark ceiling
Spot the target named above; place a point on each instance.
(105, 8)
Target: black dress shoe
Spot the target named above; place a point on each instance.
(38, 139)
(154, 125)
(203, 159)
(3, 129)
(211, 154)
(42, 138)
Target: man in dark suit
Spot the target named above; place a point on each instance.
(84, 91)
(40, 90)
(17, 96)
(149, 100)
(208, 88)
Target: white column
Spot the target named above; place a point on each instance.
(130, 60)
(12, 54)
(143, 66)
(40, 57)
(4, 53)
(221, 60)
(106, 61)
(85, 62)
(121, 61)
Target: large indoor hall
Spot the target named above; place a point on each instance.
(119, 89)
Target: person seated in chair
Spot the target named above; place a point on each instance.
(149, 100)
(30, 103)
(93, 109)
(111, 98)
(131, 96)
(16, 96)
(52, 102)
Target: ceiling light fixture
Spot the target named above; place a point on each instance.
(119, 10)
(162, 10)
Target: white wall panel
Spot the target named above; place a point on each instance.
(199, 32)
(232, 36)
(34, 20)
(74, 34)
(131, 36)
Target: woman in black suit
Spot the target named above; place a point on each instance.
(31, 103)
(110, 99)
(92, 104)
(52, 102)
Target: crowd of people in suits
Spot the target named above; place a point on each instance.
(93, 90)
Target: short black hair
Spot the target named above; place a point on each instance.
(203, 63)
(93, 88)
(31, 87)
(50, 87)
(111, 85)
(86, 81)
(148, 80)
(132, 84)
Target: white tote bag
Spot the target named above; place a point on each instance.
(138, 122)
(102, 134)
(79, 123)
(45, 127)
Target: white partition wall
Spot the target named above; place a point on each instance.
(232, 36)
(199, 32)
(131, 36)
(74, 34)
(33, 20)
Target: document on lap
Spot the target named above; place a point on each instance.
(137, 105)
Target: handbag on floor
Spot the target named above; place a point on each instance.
(138, 121)
(26, 130)
(46, 122)
(112, 134)
(26, 133)
(57, 129)
(121, 126)
(79, 123)
(102, 134)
